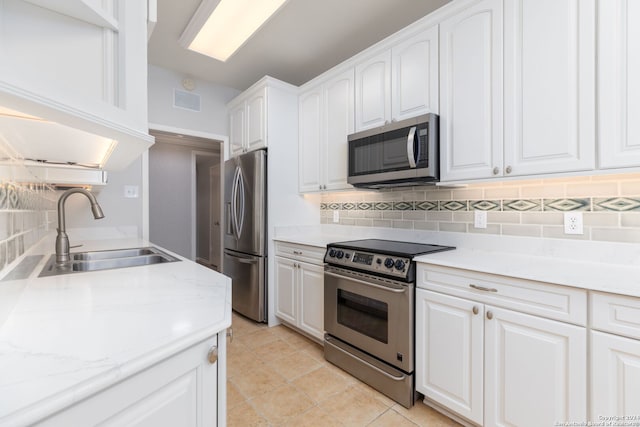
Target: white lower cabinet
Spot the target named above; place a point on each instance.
(495, 366)
(615, 358)
(182, 390)
(449, 352)
(300, 288)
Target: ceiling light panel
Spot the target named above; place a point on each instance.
(228, 27)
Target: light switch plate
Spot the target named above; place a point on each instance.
(131, 191)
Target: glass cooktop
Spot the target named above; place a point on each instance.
(391, 247)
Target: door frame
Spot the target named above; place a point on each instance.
(224, 139)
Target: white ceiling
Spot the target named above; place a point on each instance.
(304, 39)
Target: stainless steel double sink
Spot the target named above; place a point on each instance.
(106, 260)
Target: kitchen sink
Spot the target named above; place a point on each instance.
(113, 254)
(106, 260)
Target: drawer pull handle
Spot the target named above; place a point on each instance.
(482, 288)
(489, 315)
(297, 253)
(475, 309)
(212, 356)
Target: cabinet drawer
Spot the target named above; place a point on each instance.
(542, 299)
(617, 314)
(311, 254)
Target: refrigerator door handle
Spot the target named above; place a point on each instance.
(234, 204)
(240, 212)
(241, 259)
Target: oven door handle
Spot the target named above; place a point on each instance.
(384, 288)
(394, 378)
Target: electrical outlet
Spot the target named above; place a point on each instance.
(480, 219)
(573, 223)
(336, 216)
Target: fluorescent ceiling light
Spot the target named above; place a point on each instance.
(219, 28)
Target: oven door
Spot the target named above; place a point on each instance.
(371, 313)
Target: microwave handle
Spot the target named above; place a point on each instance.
(411, 156)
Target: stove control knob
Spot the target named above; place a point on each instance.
(347, 255)
(388, 262)
(339, 254)
(399, 264)
(379, 261)
(332, 253)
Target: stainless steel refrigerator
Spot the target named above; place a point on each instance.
(245, 235)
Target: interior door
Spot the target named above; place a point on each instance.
(215, 241)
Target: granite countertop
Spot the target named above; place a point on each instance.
(66, 337)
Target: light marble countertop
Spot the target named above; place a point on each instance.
(600, 266)
(64, 338)
(595, 276)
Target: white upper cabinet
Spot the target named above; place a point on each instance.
(310, 142)
(414, 76)
(471, 92)
(398, 83)
(78, 64)
(373, 92)
(326, 118)
(549, 83)
(248, 120)
(546, 78)
(618, 83)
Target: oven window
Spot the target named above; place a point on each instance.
(365, 315)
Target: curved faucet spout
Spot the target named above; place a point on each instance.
(62, 240)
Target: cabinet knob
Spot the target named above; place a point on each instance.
(475, 309)
(212, 356)
(319, 187)
(489, 315)
(508, 170)
(230, 334)
(496, 170)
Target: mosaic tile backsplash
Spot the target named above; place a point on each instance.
(535, 208)
(25, 212)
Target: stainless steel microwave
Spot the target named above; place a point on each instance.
(398, 154)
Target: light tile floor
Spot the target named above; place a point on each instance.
(277, 377)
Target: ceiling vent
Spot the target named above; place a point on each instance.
(186, 100)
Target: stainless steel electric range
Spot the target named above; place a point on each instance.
(369, 305)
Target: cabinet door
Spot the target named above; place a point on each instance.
(414, 76)
(549, 86)
(286, 294)
(471, 92)
(449, 352)
(311, 290)
(535, 370)
(618, 83)
(237, 126)
(373, 92)
(179, 391)
(310, 145)
(338, 124)
(615, 376)
(86, 59)
(257, 120)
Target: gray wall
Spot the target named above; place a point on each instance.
(214, 99)
(170, 197)
(118, 210)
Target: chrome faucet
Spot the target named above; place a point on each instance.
(62, 240)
